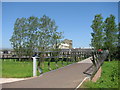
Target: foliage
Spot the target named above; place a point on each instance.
(48, 37)
(105, 34)
(118, 47)
(97, 35)
(34, 34)
(17, 39)
(109, 78)
(111, 35)
(30, 36)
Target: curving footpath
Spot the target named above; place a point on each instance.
(66, 77)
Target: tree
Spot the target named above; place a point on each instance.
(111, 35)
(24, 37)
(97, 35)
(35, 34)
(118, 47)
(43, 39)
(55, 41)
(48, 36)
(17, 39)
(31, 37)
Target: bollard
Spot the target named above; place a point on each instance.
(34, 66)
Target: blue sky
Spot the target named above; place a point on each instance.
(74, 19)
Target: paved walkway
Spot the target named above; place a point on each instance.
(7, 80)
(67, 77)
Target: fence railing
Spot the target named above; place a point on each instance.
(68, 55)
(52, 54)
(97, 60)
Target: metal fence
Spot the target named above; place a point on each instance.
(66, 53)
(97, 60)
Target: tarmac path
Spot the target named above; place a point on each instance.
(66, 77)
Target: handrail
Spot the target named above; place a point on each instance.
(98, 59)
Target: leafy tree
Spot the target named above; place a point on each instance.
(118, 48)
(35, 34)
(97, 35)
(17, 39)
(43, 39)
(55, 41)
(48, 36)
(24, 37)
(55, 44)
(31, 37)
(111, 35)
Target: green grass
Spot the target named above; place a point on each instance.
(108, 79)
(23, 69)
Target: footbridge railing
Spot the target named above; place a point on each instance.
(67, 55)
(97, 60)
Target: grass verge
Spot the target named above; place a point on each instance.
(12, 69)
(109, 77)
